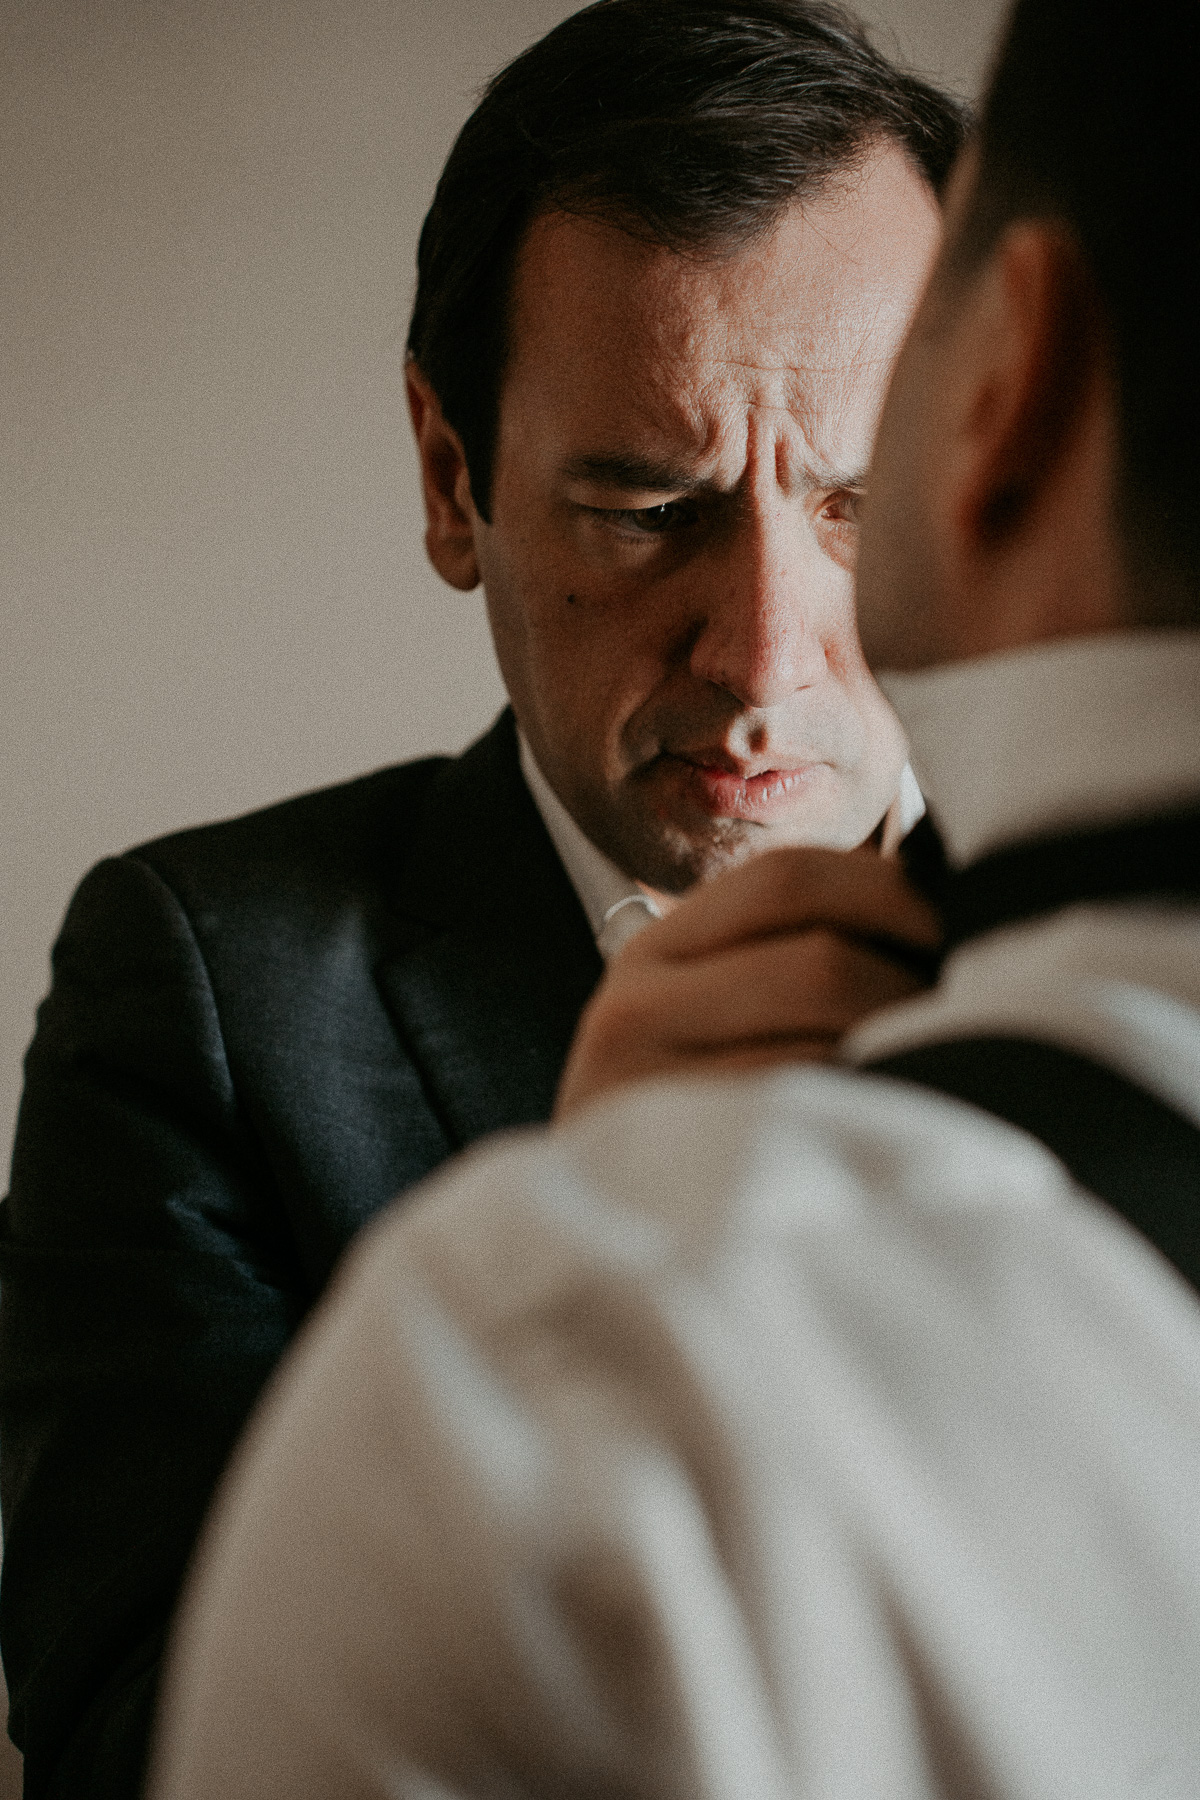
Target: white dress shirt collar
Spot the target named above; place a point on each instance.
(616, 907)
(1053, 737)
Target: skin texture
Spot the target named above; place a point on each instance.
(669, 567)
(990, 526)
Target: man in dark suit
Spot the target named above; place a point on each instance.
(831, 1431)
(643, 401)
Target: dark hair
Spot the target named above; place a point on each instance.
(689, 123)
(1091, 118)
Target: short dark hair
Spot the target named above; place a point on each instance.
(690, 123)
(1091, 119)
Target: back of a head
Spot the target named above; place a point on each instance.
(688, 122)
(1091, 119)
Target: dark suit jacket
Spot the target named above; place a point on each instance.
(258, 1033)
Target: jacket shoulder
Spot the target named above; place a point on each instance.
(352, 828)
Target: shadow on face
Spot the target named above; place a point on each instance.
(669, 565)
(993, 521)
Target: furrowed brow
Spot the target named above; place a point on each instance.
(850, 481)
(634, 473)
(639, 474)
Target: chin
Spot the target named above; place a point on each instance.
(671, 854)
(686, 857)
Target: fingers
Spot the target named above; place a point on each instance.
(818, 983)
(780, 999)
(815, 982)
(577, 1092)
(772, 962)
(861, 893)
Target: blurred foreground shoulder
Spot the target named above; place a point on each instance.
(585, 1451)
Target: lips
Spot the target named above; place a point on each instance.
(721, 789)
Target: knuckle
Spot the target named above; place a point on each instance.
(616, 1017)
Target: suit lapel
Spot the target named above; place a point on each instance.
(493, 959)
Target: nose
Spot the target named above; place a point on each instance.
(758, 634)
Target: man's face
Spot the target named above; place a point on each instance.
(670, 565)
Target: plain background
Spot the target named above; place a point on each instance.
(214, 587)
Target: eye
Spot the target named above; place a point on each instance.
(844, 507)
(649, 521)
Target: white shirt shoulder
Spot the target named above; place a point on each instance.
(799, 1435)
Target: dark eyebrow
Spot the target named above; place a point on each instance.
(622, 470)
(851, 481)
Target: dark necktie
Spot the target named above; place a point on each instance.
(1121, 1143)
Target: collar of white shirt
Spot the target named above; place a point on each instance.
(1054, 737)
(616, 907)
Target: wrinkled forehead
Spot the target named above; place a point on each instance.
(610, 335)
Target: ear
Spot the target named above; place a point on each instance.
(1033, 337)
(450, 516)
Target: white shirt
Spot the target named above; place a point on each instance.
(617, 907)
(1044, 740)
(798, 1435)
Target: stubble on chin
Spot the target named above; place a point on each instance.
(671, 856)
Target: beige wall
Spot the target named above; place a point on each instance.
(211, 570)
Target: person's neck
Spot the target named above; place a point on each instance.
(1051, 736)
(1039, 594)
(1053, 565)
